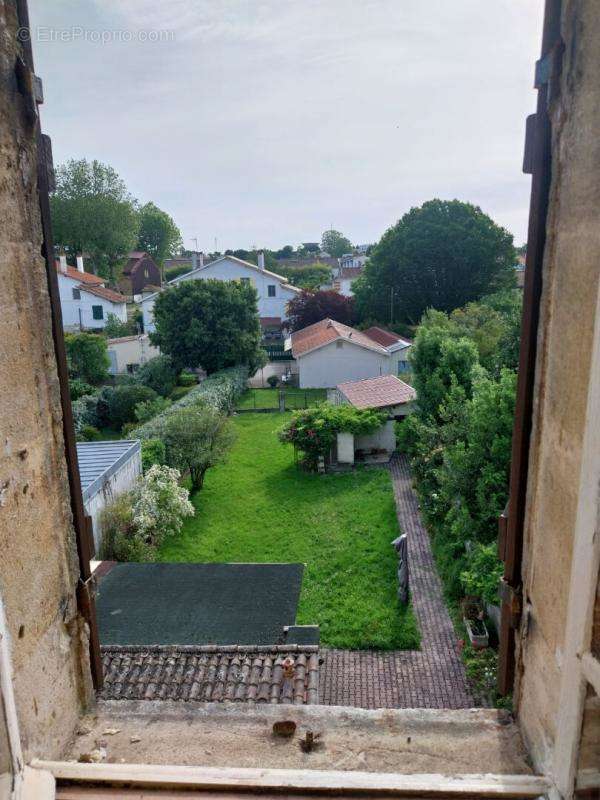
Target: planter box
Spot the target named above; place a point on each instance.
(478, 640)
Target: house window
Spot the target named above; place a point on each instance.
(97, 312)
(245, 280)
(131, 368)
(76, 294)
(402, 366)
(271, 289)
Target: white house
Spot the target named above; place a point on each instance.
(106, 470)
(274, 291)
(84, 299)
(385, 393)
(350, 268)
(328, 353)
(127, 353)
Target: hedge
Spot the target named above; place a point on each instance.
(220, 390)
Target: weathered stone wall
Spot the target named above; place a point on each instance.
(38, 567)
(570, 291)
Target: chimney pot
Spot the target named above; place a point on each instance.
(62, 260)
(79, 260)
(261, 260)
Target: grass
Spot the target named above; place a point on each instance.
(269, 398)
(259, 507)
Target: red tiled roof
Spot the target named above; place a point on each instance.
(82, 277)
(380, 392)
(383, 337)
(105, 294)
(211, 673)
(328, 330)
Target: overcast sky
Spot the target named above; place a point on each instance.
(264, 122)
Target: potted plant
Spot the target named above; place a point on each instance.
(473, 612)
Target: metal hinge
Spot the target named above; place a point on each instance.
(512, 602)
(548, 69)
(30, 87)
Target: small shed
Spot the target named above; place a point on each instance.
(106, 469)
(384, 393)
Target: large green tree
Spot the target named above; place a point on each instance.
(212, 324)
(441, 255)
(93, 213)
(159, 235)
(335, 243)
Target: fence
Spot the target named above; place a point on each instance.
(267, 400)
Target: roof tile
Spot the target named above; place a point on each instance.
(380, 392)
(326, 331)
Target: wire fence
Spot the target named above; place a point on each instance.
(266, 400)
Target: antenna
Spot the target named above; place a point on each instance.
(195, 240)
(216, 248)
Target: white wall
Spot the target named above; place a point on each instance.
(133, 350)
(122, 480)
(383, 438)
(79, 312)
(229, 270)
(330, 365)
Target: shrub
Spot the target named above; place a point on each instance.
(197, 438)
(85, 412)
(103, 403)
(272, 380)
(153, 452)
(313, 430)
(113, 327)
(158, 374)
(220, 391)
(187, 379)
(78, 388)
(87, 356)
(89, 434)
(148, 409)
(137, 522)
(179, 392)
(122, 402)
(483, 575)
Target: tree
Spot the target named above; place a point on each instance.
(310, 307)
(87, 355)
(286, 252)
(93, 213)
(310, 276)
(208, 323)
(335, 243)
(159, 374)
(158, 235)
(441, 255)
(197, 437)
(122, 403)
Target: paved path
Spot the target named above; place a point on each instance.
(432, 677)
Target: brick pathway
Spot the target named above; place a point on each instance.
(432, 677)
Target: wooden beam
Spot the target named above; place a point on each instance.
(242, 780)
(591, 671)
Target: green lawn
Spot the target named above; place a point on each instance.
(269, 398)
(259, 507)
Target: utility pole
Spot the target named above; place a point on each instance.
(391, 305)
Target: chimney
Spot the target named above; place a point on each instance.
(261, 260)
(200, 259)
(194, 260)
(79, 259)
(62, 261)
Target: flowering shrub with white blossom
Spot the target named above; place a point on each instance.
(137, 522)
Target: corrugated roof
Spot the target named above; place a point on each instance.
(283, 674)
(326, 331)
(380, 392)
(99, 460)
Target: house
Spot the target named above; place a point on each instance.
(128, 353)
(398, 347)
(85, 300)
(274, 291)
(106, 470)
(350, 267)
(385, 393)
(328, 353)
(140, 272)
